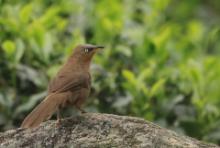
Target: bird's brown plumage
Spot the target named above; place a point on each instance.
(71, 86)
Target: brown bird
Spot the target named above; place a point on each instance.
(71, 86)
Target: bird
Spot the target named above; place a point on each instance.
(70, 86)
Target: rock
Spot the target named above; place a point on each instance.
(93, 130)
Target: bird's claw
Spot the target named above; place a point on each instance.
(58, 123)
(83, 111)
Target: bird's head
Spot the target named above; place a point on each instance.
(85, 52)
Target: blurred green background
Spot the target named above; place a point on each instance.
(161, 60)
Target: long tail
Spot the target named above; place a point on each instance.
(43, 111)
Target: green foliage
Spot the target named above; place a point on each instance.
(161, 60)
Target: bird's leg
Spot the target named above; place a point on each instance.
(80, 109)
(58, 116)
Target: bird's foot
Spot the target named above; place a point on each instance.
(58, 123)
(81, 110)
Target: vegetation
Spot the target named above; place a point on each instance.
(161, 60)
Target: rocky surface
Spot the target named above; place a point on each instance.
(93, 130)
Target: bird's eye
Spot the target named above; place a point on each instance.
(86, 50)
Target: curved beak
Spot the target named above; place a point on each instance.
(99, 47)
(96, 48)
(93, 47)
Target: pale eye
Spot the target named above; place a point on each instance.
(86, 50)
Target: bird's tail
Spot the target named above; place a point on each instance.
(43, 111)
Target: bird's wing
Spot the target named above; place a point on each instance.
(60, 89)
(69, 81)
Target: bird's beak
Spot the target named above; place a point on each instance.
(99, 47)
(96, 48)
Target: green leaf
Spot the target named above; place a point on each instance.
(19, 51)
(156, 88)
(25, 13)
(9, 47)
(129, 75)
(146, 73)
(164, 34)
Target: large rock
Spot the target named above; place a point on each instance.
(93, 130)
